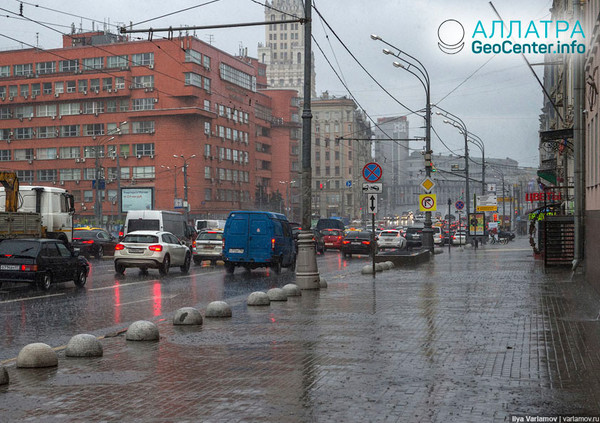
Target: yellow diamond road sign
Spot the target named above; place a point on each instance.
(427, 184)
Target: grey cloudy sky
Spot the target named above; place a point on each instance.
(500, 102)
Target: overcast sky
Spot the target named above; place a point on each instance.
(500, 103)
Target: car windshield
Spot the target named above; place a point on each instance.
(389, 234)
(210, 236)
(19, 248)
(331, 233)
(140, 239)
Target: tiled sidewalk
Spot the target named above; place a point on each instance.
(474, 336)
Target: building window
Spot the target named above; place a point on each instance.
(24, 154)
(59, 87)
(193, 56)
(193, 79)
(70, 174)
(94, 129)
(237, 77)
(146, 81)
(142, 59)
(23, 70)
(107, 84)
(4, 71)
(207, 194)
(46, 175)
(120, 83)
(4, 155)
(24, 112)
(92, 63)
(25, 175)
(143, 104)
(69, 153)
(46, 132)
(47, 87)
(66, 109)
(116, 62)
(92, 107)
(68, 65)
(69, 131)
(143, 172)
(71, 86)
(142, 127)
(23, 133)
(146, 149)
(83, 85)
(207, 172)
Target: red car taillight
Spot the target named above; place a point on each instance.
(156, 247)
(119, 247)
(339, 238)
(366, 242)
(272, 243)
(29, 267)
(88, 241)
(346, 242)
(194, 244)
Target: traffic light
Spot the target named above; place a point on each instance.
(433, 169)
(495, 217)
(321, 186)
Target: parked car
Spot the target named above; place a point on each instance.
(94, 242)
(319, 242)
(151, 250)
(413, 237)
(41, 262)
(359, 242)
(254, 239)
(208, 246)
(438, 238)
(390, 238)
(459, 238)
(333, 238)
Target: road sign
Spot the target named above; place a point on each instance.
(372, 188)
(459, 205)
(427, 202)
(372, 203)
(487, 202)
(348, 184)
(427, 184)
(372, 172)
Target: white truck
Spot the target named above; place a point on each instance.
(34, 211)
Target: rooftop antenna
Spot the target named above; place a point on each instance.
(211, 38)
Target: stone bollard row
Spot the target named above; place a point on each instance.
(40, 355)
(379, 267)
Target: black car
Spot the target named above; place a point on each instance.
(413, 237)
(359, 242)
(94, 242)
(41, 262)
(319, 242)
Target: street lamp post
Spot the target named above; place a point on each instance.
(479, 143)
(185, 183)
(307, 272)
(174, 181)
(457, 122)
(423, 76)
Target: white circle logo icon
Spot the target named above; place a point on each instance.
(451, 34)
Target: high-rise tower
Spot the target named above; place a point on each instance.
(283, 50)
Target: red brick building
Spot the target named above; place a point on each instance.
(123, 109)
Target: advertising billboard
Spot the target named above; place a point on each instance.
(141, 198)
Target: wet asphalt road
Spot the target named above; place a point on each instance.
(109, 303)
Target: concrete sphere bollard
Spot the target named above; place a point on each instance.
(142, 330)
(322, 283)
(277, 294)
(187, 316)
(379, 267)
(84, 345)
(386, 265)
(292, 290)
(258, 298)
(390, 264)
(218, 309)
(3, 376)
(367, 269)
(37, 355)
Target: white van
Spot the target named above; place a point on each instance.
(202, 224)
(158, 220)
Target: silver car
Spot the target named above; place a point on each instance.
(151, 250)
(390, 238)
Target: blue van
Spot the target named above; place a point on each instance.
(254, 239)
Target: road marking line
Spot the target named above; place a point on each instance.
(30, 298)
(147, 299)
